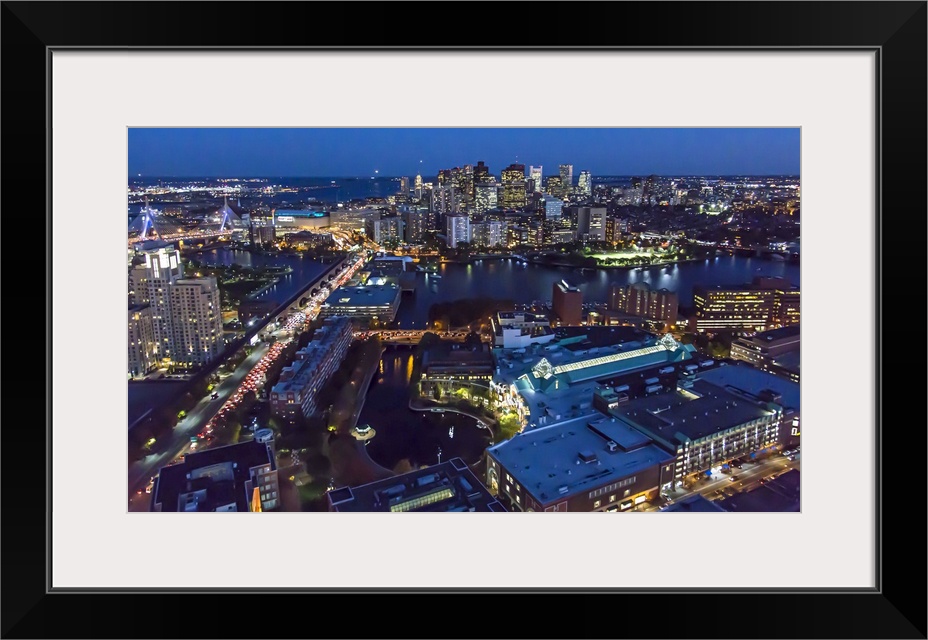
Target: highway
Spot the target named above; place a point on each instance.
(141, 471)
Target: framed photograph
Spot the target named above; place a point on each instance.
(127, 89)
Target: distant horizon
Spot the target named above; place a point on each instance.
(407, 175)
(397, 152)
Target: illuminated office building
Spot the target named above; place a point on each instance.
(513, 187)
(585, 184)
(567, 177)
(535, 174)
(765, 303)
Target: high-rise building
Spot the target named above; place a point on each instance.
(404, 185)
(418, 187)
(766, 303)
(553, 208)
(481, 173)
(615, 228)
(444, 203)
(468, 185)
(186, 320)
(386, 230)
(591, 223)
(142, 352)
(567, 303)
(196, 321)
(457, 229)
(513, 191)
(640, 300)
(416, 225)
(585, 184)
(535, 173)
(567, 177)
(485, 196)
(555, 187)
(488, 233)
(444, 177)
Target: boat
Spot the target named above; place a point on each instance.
(451, 432)
(435, 276)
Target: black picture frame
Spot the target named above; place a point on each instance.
(896, 31)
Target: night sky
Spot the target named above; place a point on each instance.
(395, 152)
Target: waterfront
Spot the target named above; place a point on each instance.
(304, 270)
(523, 283)
(413, 435)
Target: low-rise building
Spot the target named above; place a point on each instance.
(369, 302)
(519, 329)
(296, 391)
(776, 351)
(238, 477)
(442, 488)
(578, 465)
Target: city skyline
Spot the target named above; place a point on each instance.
(395, 152)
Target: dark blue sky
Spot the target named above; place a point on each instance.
(395, 152)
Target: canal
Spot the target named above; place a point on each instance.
(414, 435)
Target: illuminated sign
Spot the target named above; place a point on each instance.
(284, 218)
(254, 339)
(794, 432)
(640, 499)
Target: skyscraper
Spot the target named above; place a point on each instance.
(404, 185)
(418, 187)
(485, 197)
(585, 184)
(513, 192)
(481, 173)
(535, 174)
(468, 186)
(553, 186)
(567, 177)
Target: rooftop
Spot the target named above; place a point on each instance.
(576, 456)
(783, 333)
(693, 504)
(778, 495)
(446, 487)
(212, 477)
(694, 413)
(746, 379)
(364, 296)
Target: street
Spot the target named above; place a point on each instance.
(141, 470)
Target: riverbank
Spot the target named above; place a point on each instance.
(351, 465)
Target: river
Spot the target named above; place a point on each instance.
(524, 283)
(304, 270)
(417, 436)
